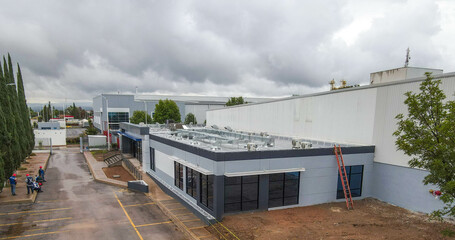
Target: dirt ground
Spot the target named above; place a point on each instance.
(100, 154)
(371, 219)
(118, 170)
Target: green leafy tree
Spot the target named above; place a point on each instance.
(91, 130)
(235, 101)
(139, 116)
(166, 110)
(190, 118)
(427, 135)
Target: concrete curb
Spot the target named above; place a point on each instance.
(97, 178)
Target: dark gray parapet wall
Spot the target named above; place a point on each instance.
(134, 128)
(245, 155)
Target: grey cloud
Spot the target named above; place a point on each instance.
(77, 49)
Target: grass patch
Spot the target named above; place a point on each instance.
(33, 154)
(22, 168)
(94, 152)
(448, 233)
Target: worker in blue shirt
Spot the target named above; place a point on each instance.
(12, 182)
(29, 182)
(41, 173)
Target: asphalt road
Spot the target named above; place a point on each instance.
(74, 206)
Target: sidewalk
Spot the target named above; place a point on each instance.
(96, 168)
(34, 162)
(184, 219)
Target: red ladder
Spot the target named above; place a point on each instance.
(343, 177)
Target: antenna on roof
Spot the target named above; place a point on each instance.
(408, 57)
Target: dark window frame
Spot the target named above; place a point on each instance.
(242, 185)
(152, 159)
(178, 175)
(282, 180)
(205, 198)
(340, 193)
(191, 182)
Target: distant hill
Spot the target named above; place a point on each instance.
(59, 106)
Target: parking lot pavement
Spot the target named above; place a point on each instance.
(73, 206)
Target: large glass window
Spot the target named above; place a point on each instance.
(284, 189)
(355, 176)
(241, 193)
(118, 117)
(178, 175)
(206, 190)
(191, 187)
(152, 159)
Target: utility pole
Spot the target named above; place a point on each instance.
(408, 57)
(108, 131)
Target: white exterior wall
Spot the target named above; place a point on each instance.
(199, 111)
(58, 137)
(364, 116)
(342, 116)
(96, 140)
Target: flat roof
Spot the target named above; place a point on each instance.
(223, 140)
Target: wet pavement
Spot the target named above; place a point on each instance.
(74, 206)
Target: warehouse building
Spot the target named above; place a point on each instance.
(120, 107)
(279, 154)
(217, 172)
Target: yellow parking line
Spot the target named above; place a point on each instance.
(44, 210)
(141, 204)
(34, 230)
(151, 224)
(131, 221)
(197, 227)
(191, 220)
(47, 220)
(53, 220)
(36, 234)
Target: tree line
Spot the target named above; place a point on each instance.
(16, 134)
(48, 111)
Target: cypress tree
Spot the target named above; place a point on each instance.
(22, 140)
(30, 139)
(3, 151)
(16, 154)
(6, 161)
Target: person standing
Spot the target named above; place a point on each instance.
(29, 182)
(12, 182)
(41, 173)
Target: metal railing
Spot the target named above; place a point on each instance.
(136, 173)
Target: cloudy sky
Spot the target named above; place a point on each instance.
(78, 49)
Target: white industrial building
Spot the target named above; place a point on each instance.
(360, 115)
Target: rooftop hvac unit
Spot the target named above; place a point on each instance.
(215, 148)
(299, 144)
(251, 147)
